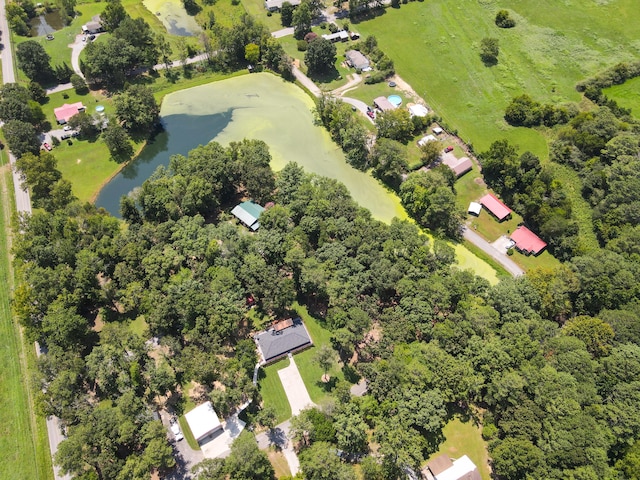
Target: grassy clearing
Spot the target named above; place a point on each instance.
(627, 95)
(256, 9)
(462, 437)
(280, 464)
(499, 271)
(309, 369)
(24, 449)
(272, 391)
(435, 47)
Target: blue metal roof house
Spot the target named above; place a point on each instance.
(248, 213)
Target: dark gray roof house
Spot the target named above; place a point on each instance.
(282, 338)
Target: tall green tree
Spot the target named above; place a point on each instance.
(137, 109)
(34, 61)
(320, 56)
(21, 137)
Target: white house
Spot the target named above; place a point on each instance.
(203, 421)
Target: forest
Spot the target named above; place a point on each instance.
(548, 363)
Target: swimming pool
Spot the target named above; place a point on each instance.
(395, 99)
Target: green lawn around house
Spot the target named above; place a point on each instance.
(24, 445)
(435, 47)
(256, 9)
(272, 391)
(462, 437)
(627, 95)
(188, 435)
(58, 48)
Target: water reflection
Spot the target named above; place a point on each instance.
(46, 24)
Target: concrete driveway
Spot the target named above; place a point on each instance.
(295, 388)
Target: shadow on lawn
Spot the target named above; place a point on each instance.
(326, 77)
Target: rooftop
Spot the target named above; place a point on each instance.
(495, 206)
(203, 420)
(527, 241)
(68, 110)
(248, 213)
(383, 104)
(282, 339)
(459, 166)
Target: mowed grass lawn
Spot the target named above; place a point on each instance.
(627, 95)
(24, 449)
(435, 47)
(462, 437)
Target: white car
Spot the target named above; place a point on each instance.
(175, 429)
(66, 128)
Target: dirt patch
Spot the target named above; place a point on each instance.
(480, 181)
(405, 88)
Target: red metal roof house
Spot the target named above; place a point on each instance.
(66, 111)
(495, 206)
(527, 242)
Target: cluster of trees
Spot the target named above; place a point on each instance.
(525, 111)
(133, 46)
(605, 151)
(553, 357)
(384, 65)
(615, 75)
(343, 125)
(363, 7)
(320, 56)
(18, 15)
(302, 16)
(533, 191)
(35, 62)
(23, 118)
(489, 50)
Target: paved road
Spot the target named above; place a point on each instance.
(306, 82)
(282, 33)
(279, 436)
(508, 264)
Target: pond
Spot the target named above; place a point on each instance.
(46, 24)
(174, 17)
(259, 106)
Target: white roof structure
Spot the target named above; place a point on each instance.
(474, 208)
(277, 4)
(203, 421)
(426, 139)
(437, 130)
(248, 213)
(463, 468)
(418, 110)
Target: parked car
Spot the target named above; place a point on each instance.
(92, 37)
(175, 429)
(66, 128)
(49, 37)
(448, 149)
(47, 146)
(371, 114)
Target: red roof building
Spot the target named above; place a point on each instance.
(66, 111)
(527, 242)
(495, 206)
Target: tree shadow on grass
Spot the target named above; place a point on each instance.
(327, 386)
(326, 77)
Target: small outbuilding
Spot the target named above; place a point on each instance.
(383, 104)
(437, 130)
(203, 422)
(426, 139)
(495, 207)
(276, 5)
(474, 208)
(282, 338)
(94, 26)
(417, 110)
(443, 468)
(528, 242)
(340, 36)
(248, 213)
(357, 60)
(66, 111)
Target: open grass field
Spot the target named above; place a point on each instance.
(280, 464)
(627, 95)
(435, 47)
(24, 448)
(462, 437)
(256, 9)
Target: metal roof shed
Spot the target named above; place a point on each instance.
(528, 242)
(495, 206)
(248, 213)
(203, 421)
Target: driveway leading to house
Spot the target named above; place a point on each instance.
(295, 388)
(279, 437)
(500, 257)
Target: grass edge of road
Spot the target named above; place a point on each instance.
(30, 456)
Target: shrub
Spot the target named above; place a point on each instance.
(503, 20)
(333, 28)
(55, 141)
(302, 45)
